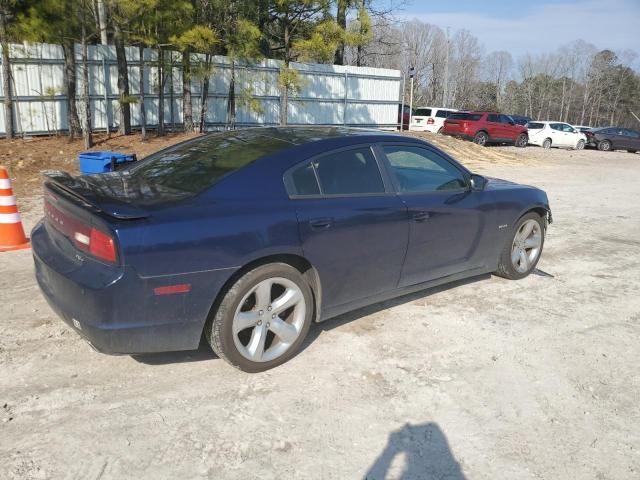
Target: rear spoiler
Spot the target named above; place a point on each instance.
(90, 195)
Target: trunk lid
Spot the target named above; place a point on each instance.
(110, 194)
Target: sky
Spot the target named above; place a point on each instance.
(535, 26)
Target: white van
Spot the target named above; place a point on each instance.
(429, 119)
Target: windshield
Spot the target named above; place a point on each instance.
(191, 167)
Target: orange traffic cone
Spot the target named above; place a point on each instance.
(11, 232)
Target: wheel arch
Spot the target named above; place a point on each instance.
(298, 262)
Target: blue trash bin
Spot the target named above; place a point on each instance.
(101, 162)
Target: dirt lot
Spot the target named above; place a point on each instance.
(486, 379)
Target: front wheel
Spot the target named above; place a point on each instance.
(521, 254)
(522, 140)
(580, 145)
(604, 146)
(546, 144)
(262, 319)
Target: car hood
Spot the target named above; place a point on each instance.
(500, 184)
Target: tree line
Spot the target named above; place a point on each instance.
(243, 30)
(577, 83)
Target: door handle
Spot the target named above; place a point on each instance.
(320, 223)
(420, 216)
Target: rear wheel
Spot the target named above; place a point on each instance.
(481, 138)
(522, 252)
(263, 318)
(522, 140)
(580, 145)
(547, 143)
(440, 131)
(604, 145)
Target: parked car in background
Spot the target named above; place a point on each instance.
(430, 119)
(485, 128)
(582, 128)
(404, 116)
(614, 138)
(247, 237)
(556, 134)
(520, 119)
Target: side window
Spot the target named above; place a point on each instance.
(493, 118)
(302, 181)
(419, 170)
(349, 172)
(506, 119)
(442, 113)
(634, 134)
(556, 126)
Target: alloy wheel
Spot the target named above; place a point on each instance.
(526, 246)
(269, 319)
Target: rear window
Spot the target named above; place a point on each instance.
(422, 112)
(535, 126)
(474, 117)
(190, 168)
(443, 113)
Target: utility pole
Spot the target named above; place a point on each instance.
(412, 72)
(445, 90)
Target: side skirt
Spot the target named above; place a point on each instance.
(363, 302)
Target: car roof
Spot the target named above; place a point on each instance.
(301, 135)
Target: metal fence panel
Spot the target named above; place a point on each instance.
(328, 94)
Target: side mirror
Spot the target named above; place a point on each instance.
(477, 182)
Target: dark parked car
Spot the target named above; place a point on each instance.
(485, 128)
(252, 235)
(404, 116)
(613, 138)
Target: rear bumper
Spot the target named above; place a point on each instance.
(119, 313)
(425, 128)
(464, 136)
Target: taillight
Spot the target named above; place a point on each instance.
(431, 121)
(102, 246)
(86, 238)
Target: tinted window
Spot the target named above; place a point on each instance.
(535, 126)
(303, 181)
(634, 134)
(423, 112)
(493, 118)
(506, 119)
(190, 168)
(556, 126)
(349, 172)
(474, 117)
(421, 170)
(443, 113)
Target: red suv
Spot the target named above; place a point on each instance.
(486, 127)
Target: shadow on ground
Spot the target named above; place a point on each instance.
(426, 455)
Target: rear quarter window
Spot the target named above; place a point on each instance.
(422, 112)
(443, 113)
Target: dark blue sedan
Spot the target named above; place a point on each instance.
(250, 236)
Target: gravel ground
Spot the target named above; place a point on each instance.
(484, 379)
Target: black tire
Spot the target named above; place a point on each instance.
(632, 151)
(481, 138)
(547, 143)
(219, 327)
(522, 140)
(505, 266)
(439, 131)
(605, 146)
(580, 145)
